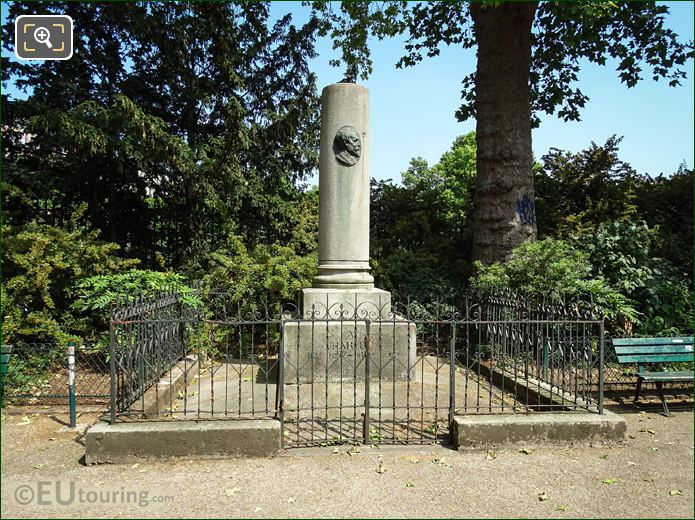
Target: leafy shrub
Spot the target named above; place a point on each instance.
(42, 266)
(624, 252)
(102, 291)
(554, 268)
(275, 271)
(96, 295)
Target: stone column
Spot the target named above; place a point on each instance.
(329, 343)
(344, 189)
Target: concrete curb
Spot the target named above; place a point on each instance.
(127, 442)
(482, 431)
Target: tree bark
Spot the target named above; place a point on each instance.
(503, 203)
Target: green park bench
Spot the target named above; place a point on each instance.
(647, 353)
(4, 366)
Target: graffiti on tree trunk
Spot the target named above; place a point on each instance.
(526, 210)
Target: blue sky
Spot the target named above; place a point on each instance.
(412, 110)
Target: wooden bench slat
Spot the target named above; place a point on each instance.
(653, 349)
(682, 340)
(654, 358)
(667, 376)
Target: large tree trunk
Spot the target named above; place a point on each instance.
(503, 204)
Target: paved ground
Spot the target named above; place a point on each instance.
(644, 477)
(403, 409)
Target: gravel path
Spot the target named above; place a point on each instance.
(640, 478)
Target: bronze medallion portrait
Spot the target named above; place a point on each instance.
(347, 146)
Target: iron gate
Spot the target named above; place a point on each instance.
(353, 374)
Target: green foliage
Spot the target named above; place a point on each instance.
(176, 125)
(275, 271)
(553, 268)
(419, 230)
(666, 204)
(631, 34)
(624, 253)
(577, 192)
(96, 295)
(102, 291)
(30, 369)
(42, 266)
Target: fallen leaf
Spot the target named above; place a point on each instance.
(409, 484)
(525, 451)
(135, 465)
(542, 497)
(609, 481)
(631, 436)
(51, 438)
(440, 462)
(336, 450)
(231, 491)
(651, 431)
(562, 507)
(675, 492)
(291, 500)
(604, 456)
(648, 479)
(43, 464)
(490, 455)
(630, 463)
(354, 451)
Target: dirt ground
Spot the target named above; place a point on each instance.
(650, 475)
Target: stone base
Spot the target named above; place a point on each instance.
(321, 304)
(129, 442)
(485, 431)
(322, 351)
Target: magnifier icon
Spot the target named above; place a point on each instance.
(42, 35)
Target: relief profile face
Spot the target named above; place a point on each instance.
(347, 146)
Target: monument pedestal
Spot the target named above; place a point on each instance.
(330, 343)
(322, 304)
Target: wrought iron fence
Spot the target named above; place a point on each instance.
(147, 338)
(354, 372)
(37, 373)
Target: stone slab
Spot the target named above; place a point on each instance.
(370, 304)
(483, 431)
(128, 442)
(321, 351)
(162, 395)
